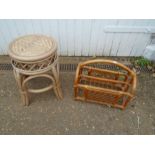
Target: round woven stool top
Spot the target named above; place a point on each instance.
(32, 48)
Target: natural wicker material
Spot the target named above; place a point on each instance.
(32, 47)
(35, 56)
(94, 83)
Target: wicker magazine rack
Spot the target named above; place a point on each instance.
(114, 86)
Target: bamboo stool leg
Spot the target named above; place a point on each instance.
(59, 91)
(56, 91)
(59, 83)
(24, 94)
(55, 71)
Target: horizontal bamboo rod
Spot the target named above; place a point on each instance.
(104, 80)
(104, 71)
(104, 90)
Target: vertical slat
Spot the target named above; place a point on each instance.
(97, 37)
(123, 46)
(86, 36)
(19, 26)
(52, 29)
(109, 39)
(80, 37)
(27, 25)
(71, 37)
(62, 27)
(139, 43)
(116, 42)
(101, 38)
(36, 26)
(4, 37)
(93, 38)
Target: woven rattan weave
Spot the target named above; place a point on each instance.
(94, 83)
(34, 56)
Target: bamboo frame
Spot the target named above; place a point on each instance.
(43, 64)
(104, 86)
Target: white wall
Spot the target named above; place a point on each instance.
(84, 37)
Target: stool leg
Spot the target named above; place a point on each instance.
(24, 94)
(55, 71)
(59, 91)
(56, 92)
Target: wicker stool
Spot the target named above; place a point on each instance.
(105, 82)
(34, 56)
